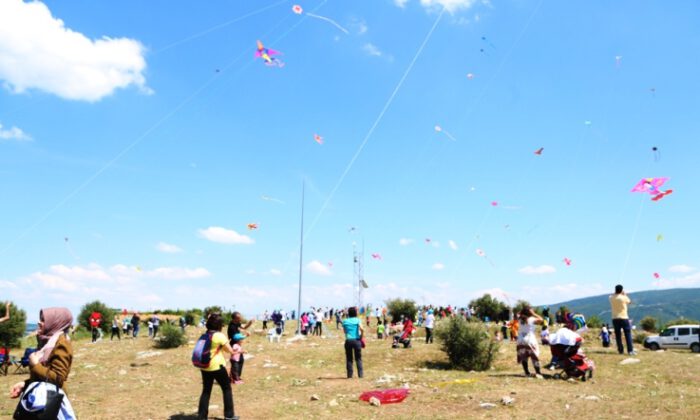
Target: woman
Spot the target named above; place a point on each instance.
(217, 369)
(115, 329)
(527, 346)
(353, 344)
(52, 362)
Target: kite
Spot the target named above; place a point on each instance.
(657, 275)
(657, 154)
(377, 256)
(490, 44)
(267, 55)
(659, 237)
(567, 261)
(587, 122)
(483, 51)
(330, 264)
(445, 132)
(494, 203)
(538, 152)
(653, 91)
(472, 189)
(300, 11)
(252, 226)
(364, 284)
(274, 200)
(70, 248)
(318, 139)
(618, 60)
(470, 76)
(428, 240)
(480, 252)
(651, 186)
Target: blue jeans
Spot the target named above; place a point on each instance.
(624, 325)
(136, 330)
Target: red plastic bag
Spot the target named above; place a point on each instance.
(387, 396)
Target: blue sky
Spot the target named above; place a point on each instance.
(148, 135)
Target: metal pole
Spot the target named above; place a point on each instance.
(301, 257)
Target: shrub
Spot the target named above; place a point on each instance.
(467, 344)
(192, 318)
(648, 323)
(398, 307)
(639, 336)
(12, 331)
(594, 321)
(680, 321)
(487, 306)
(97, 306)
(170, 337)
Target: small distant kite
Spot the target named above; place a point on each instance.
(657, 275)
(470, 76)
(567, 261)
(653, 91)
(318, 139)
(274, 200)
(445, 132)
(377, 256)
(267, 55)
(480, 252)
(300, 11)
(657, 154)
(330, 264)
(587, 122)
(489, 43)
(538, 152)
(252, 226)
(652, 186)
(428, 240)
(72, 253)
(494, 203)
(618, 60)
(483, 51)
(659, 237)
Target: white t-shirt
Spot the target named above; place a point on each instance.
(429, 321)
(526, 333)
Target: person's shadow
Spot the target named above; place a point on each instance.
(183, 416)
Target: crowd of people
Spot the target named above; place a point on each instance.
(50, 365)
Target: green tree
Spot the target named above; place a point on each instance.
(648, 323)
(594, 321)
(97, 306)
(519, 305)
(468, 344)
(12, 330)
(401, 307)
(488, 306)
(170, 337)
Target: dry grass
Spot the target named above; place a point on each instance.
(109, 381)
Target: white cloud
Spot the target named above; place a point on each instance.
(275, 272)
(681, 268)
(453, 245)
(178, 273)
(372, 50)
(317, 267)
(449, 5)
(401, 3)
(540, 269)
(405, 241)
(13, 133)
(168, 248)
(40, 52)
(224, 236)
(438, 266)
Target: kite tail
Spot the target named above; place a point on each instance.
(331, 21)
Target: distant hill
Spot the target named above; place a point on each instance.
(665, 305)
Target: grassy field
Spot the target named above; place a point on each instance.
(129, 379)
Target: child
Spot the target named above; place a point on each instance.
(237, 359)
(380, 331)
(544, 335)
(605, 335)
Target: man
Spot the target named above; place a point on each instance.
(235, 327)
(429, 325)
(618, 303)
(135, 319)
(156, 324)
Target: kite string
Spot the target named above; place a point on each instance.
(331, 21)
(376, 123)
(633, 239)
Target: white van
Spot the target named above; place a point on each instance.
(676, 337)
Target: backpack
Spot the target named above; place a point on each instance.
(201, 356)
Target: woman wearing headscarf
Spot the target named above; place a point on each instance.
(353, 344)
(52, 361)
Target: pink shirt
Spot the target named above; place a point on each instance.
(237, 350)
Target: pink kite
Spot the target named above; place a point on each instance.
(567, 261)
(494, 203)
(657, 275)
(252, 226)
(538, 152)
(377, 256)
(297, 9)
(652, 186)
(267, 55)
(387, 396)
(318, 139)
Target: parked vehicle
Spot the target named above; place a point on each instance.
(676, 337)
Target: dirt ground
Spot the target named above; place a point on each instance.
(129, 379)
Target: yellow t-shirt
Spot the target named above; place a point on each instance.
(619, 303)
(218, 341)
